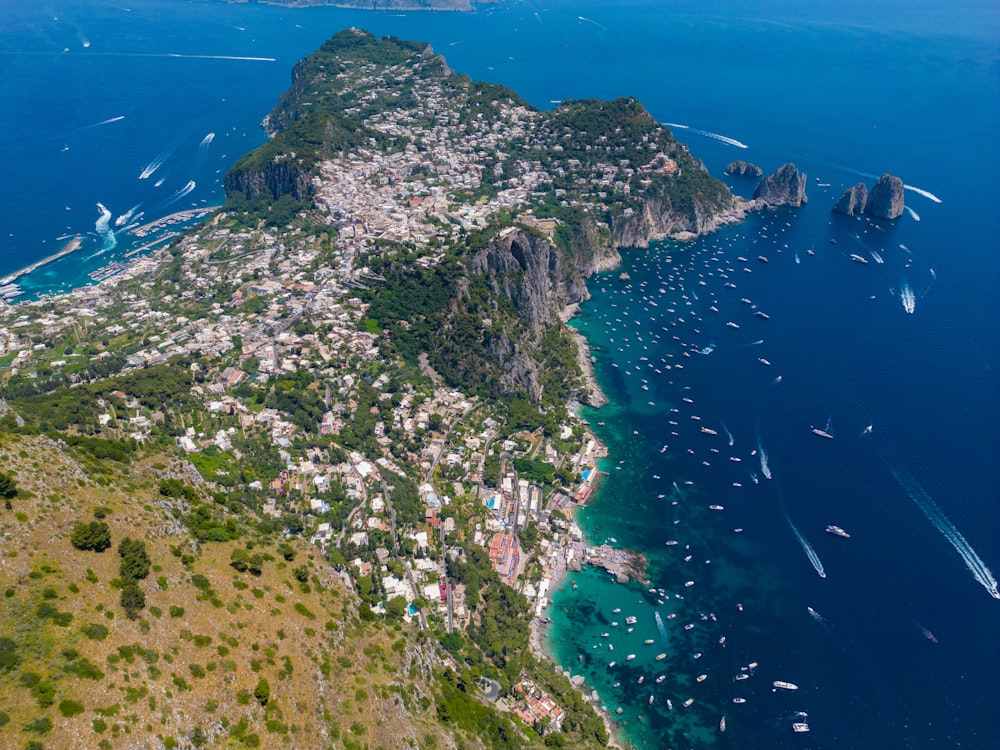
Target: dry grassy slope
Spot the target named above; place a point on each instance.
(334, 682)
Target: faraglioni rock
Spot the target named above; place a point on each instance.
(853, 201)
(886, 198)
(743, 169)
(786, 187)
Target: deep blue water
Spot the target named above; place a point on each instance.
(844, 92)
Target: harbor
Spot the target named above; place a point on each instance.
(70, 247)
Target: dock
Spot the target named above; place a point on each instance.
(70, 247)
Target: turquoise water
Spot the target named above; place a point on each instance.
(846, 93)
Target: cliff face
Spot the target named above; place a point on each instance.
(538, 279)
(886, 199)
(277, 178)
(786, 187)
(659, 219)
(853, 201)
(527, 270)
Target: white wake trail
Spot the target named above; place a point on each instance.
(729, 435)
(940, 521)
(912, 213)
(807, 548)
(709, 134)
(927, 194)
(764, 468)
(103, 228)
(907, 297)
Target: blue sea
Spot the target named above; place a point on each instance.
(142, 109)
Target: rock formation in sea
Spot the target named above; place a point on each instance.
(786, 187)
(853, 201)
(742, 168)
(886, 198)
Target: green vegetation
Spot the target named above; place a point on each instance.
(95, 536)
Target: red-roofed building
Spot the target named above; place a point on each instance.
(538, 709)
(505, 556)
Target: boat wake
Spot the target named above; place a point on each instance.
(925, 193)
(729, 435)
(126, 217)
(816, 615)
(660, 626)
(708, 134)
(807, 548)
(207, 140)
(108, 121)
(150, 168)
(915, 216)
(103, 228)
(186, 190)
(935, 515)
(764, 468)
(907, 297)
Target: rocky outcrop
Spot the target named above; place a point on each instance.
(886, 198)
(527, 270)
(852, 201)
(658, 220)
(274, 179)
(741, 168)
(786, 187)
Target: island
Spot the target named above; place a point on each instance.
(314, 462)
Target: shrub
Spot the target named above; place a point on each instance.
(94, 536)
(135, 562)
(8, 487)
(95, 632)
(69, 708)
(84, 669)
(133, 600)
(262, 692)
(40, 725)
(9, 658)
(176, 611)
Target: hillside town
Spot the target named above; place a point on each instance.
(289, 396)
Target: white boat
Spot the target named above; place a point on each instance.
(785, 685)
(661, 657)
(630, 657)
(837, 531)
(722, 724)
(612, 664)
(701, 677)
(731, 324)
(660, 679)
(800, 726)
(738, 701)
(630, 620)
(688, 702)
(716, 507)
(648, 641)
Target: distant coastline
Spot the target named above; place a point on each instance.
(460, 6)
